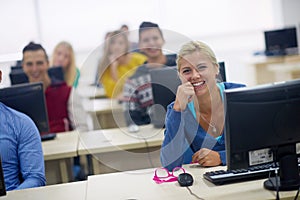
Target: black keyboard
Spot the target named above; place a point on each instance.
(220, 177)
(48, 136)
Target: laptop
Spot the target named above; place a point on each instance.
(164, 88)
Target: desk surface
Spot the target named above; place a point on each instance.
(265, 60)
(73, 191)
(63, 146)
(101, 105)
(90, 91)
(139, 185)
(109, 140)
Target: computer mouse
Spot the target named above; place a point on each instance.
(185, 179)
(133, 128)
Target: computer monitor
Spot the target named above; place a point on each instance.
(164, 87)
(2, 183)
(56, 73)
(281, 41)
(262, 126)
(222, 72)
(17, 75)
(28, 98)
(16, 67)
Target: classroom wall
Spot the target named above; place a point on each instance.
(234, 29)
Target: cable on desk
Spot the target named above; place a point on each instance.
(276, 181)
(147, 148)
(148, 153)
(277, 186)
(193, 194)
(297, 194)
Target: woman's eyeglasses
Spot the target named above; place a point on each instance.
(162, 175)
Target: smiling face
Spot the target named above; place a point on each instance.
(198, 69)
(35, 65)
(151, 42)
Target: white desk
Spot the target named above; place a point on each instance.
(121, 150)
(58, 154)
(68, 191)
(139, 185)
(90, 91)
(105, 113)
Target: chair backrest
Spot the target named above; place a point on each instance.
(164, 87)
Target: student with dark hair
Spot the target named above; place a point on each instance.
(64, 106)
(61, 104)
(21, 150)
(137, 91)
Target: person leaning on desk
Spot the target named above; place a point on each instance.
(21, 150)
(195, 120)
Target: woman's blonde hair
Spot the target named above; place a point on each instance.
(70, 73)
(104, 61)
(193, 46)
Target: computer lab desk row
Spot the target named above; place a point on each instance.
(111, 150)
(138, 185)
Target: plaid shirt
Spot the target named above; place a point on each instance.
(138, 96)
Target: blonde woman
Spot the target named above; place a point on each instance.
(195, 120)
(63, 55)
(117, 63)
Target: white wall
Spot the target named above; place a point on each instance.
(291, 10)
(233, 28)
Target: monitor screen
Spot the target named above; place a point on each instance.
(28, 98)
(164, 87)
(278, 42)
(262, 126)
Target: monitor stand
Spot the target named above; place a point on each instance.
(289, 175)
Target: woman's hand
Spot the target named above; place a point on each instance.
(184, 95)
(206, 157)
